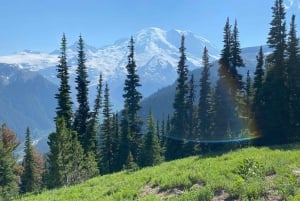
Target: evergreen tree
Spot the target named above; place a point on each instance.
(116, 143)
(275, 108)
(225, 91)
(94, 116)
(293, 75)
(257, 103)
(132, 97)
(64, 102)
(248, 97)
(28, 183)
(106, 152)
(82, 113)
(204, 116)
(236, 59)
(66, 157)
(189, 145)
(150, 153)
(8, 180)
(179, 120)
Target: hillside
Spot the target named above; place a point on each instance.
(246, 174)
(27, 100)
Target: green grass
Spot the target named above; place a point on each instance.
(247, 174)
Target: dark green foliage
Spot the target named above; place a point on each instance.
(257, 102)
(131, 122)
(66, 161)
(8, 180)
(275, 108)
(227, 98)
(150, 153)
(93, 122)
(64, 102)
(189, 146)
(116, 143)
(107, 132)
(82, 113)
(179, 120)
(248, 96)
(28, 179)
(204, 105)
(293, 74)
(236, 59)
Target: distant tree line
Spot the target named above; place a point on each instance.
(231, 110)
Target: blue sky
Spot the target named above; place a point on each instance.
(38, 25)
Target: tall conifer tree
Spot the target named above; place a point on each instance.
(82, 113)
(28, 183)
(179, 121)
(106, 152)
(64, 102)
(293, 75)
(275, 108)
(131, 122)
(204, 116)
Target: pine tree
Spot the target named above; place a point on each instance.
(8, 180)
(189, 145)
(66, 157)
(225, 91)
(204, 116)
(236, 59)
(248, 97)
(131, 126)
(93, 122)
(106, 152)
(116, 143)
(293, 75)
(275, 108)
(28, 180)
(64, 102)
(150, 153)
(257, 103)
(179, 120)
(82, 113)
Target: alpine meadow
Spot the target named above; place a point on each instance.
(161, 115)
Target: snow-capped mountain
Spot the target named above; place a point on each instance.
(156, 55)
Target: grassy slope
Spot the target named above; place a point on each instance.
(273, 176)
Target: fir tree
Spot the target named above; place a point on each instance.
(248, 97)
(106, 152)
(132, 97)
(293, 75)
(225, 91)
(275, 108)
(66, 157)
(82, 113)
(204, 116)
(64, 102)
(236, 59)
(94, 116)
(116, 143)
(28, 183)
(150, 153)
(179, 120)
(8, 180)
(189, 145)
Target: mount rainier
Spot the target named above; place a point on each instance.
(156, 55)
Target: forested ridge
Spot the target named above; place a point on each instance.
(235, 112)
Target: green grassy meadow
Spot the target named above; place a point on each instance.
(246, 174)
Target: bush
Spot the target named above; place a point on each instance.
(249, 168)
